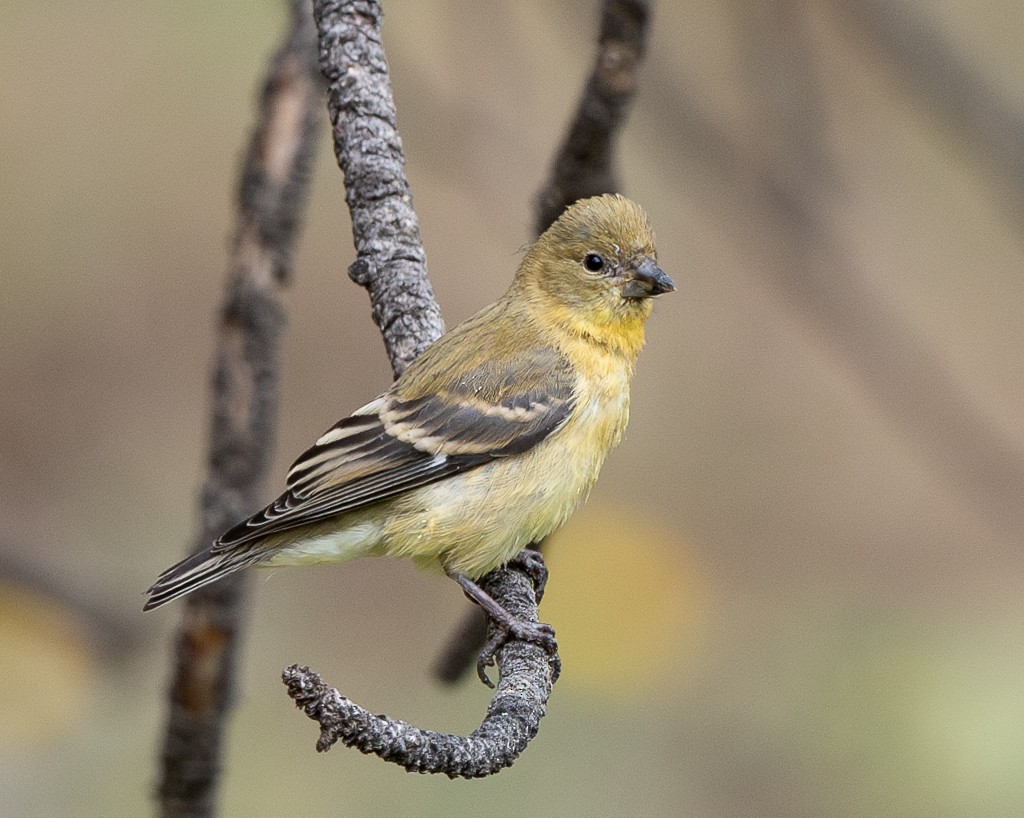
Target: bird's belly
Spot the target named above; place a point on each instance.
(358, 536)
(479, 520)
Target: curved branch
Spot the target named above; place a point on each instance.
(391, 264)
(512, 718)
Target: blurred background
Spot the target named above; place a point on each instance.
(796, 590)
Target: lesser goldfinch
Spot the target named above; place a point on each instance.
(490, 439)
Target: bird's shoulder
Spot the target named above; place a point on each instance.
(495, 384)
(499, 351)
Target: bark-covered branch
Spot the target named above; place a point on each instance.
(390, 261)
(583, 166)
(391, 264)
(511, 722)
(270, 203)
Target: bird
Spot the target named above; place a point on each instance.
(489, 440)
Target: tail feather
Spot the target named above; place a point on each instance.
(194, 572)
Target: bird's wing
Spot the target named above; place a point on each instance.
(398, 443)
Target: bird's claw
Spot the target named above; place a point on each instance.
(531, 563)
(538, 633)
(504, 626)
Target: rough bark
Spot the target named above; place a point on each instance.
(270, 205)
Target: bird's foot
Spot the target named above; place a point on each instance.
(539, 633)
(508, 627)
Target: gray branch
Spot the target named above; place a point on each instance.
(391, 264)
(585, 163)
(511, 722)
(270, 204)
(390, 261)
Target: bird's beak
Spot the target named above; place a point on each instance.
(647, 280)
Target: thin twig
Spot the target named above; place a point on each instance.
(271, 201)
(391, 264)
(583, 166)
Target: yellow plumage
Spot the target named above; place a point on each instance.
(491, 438)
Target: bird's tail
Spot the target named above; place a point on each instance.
(194, 572)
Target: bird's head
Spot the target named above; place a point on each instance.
(596, 268)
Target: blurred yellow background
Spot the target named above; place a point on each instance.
(796, 590)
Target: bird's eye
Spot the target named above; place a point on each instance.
(593, 262)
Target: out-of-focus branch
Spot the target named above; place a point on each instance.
(511, 722)
(271, 200)
(110, 630)
(880, 348)
(391, 264)
(583, 166)
(812, 269)
(464, 643)
(987, 121)
(585, 162)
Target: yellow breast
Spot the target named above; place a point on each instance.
(476, 521)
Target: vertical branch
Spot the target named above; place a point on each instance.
(390, 261)
(271, 199)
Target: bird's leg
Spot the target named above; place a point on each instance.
(509, 626)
